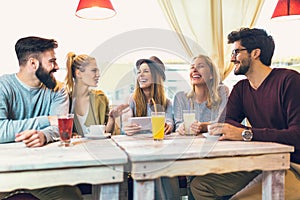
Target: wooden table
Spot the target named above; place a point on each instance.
(98, 162)
(190, 155)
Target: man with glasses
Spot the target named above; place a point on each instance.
(29, 101)
(268, 99)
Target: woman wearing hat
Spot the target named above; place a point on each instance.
(149, 87)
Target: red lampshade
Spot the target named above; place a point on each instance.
(287, 9)
(95, 9)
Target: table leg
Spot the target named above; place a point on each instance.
(143, 190)
(104, 192)
(273, 185)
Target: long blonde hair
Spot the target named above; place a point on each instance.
(157, 92)
(75, 62)
(213, 97)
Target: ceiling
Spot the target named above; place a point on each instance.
(56, 19)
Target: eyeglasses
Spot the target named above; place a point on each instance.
(235, 52)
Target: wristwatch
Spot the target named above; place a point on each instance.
(247, 135)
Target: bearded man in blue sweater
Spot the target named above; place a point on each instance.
(30, 100)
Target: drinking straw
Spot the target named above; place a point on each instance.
(191, 105)
(154, 104)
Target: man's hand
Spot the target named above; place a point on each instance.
(228, 131)
(31, 138)
(53, 120)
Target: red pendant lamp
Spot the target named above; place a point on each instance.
(95, 9)
(287, 10)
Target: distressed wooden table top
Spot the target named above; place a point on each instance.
(83, 153)
(141, 147)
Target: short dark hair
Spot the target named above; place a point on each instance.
(255, 39)
(32, 45)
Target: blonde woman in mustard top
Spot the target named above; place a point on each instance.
(90, 107)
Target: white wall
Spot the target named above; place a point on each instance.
(56, 19)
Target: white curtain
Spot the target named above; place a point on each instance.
(207, 23)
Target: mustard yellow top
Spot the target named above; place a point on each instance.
(97, 113)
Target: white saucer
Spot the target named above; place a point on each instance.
(208, 136)
(98, 136)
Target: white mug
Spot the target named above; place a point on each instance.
(97, 129)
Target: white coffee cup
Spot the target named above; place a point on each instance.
(97, 129)
(209, 136)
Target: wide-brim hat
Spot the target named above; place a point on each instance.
(157, 64)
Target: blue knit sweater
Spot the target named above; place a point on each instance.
(25, 108)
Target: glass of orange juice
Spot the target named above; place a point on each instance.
(158, 125)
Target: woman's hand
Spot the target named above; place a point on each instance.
(119, 110)
(168, 129)
(131, 129)
(180, 129)
(199, 127)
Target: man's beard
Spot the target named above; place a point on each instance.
(244, 67)
(45, 77)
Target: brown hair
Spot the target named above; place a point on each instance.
(157, 89)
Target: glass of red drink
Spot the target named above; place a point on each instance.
(65, 127)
